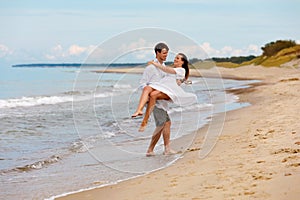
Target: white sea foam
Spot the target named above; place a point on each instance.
(122, 86)
(34, 101)
(231, 98)
(102, 95)
(108, 134)
(195, 107)
(48, 100)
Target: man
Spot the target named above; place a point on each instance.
(161, 117)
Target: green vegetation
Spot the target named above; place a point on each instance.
(234, 59)
(206, 64)
(273, 48)
(227, 64)
(281, 57)
(274, 54)
(231, 62)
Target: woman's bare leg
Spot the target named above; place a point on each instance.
(155, 95)
(143, 100)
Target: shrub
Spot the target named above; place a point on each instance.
(272, 48)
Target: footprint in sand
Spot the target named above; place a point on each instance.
(289, 158)
(290, 79)
(262, 176)
(288, 174)
(192, 149)
(260, 135)
(287, 150)
(249, 193)
(295, 165)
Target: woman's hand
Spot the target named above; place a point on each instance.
(150, 62)
(178, 81)
(156, 64)
(169, 70)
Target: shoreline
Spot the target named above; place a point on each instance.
(250, 159)
(214, 72)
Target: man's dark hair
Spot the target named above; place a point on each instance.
(160, 46)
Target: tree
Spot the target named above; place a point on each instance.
(234, 59)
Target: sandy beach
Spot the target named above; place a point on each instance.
(257, 155)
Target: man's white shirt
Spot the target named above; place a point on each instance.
(153, 74)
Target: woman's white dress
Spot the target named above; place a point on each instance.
(168, 85)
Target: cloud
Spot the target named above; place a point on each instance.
(76, 50)
(50, 57)
(190, 50)
(138, 50)
(208, 49)
(4, 51)
(228, 51)
(57, 48)
(140, 43)
(58, 52)
(122, 50)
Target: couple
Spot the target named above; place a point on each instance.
(162, 83)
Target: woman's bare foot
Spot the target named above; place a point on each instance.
(137, 114)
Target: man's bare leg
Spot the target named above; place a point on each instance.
(166, 136)
(155, 137)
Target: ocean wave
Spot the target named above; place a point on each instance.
(122, 86)
(195, 107)
(35, 165)
(78, 147)
(72, 93)
(102, 95)
(108, 134)
(85, 144)
(50, 100)
(34, 101)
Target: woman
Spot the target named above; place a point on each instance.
(168, 88)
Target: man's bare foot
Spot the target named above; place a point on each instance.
(143, 126)
(170, 152)
(149, 154)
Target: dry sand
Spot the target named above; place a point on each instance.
(257, 155)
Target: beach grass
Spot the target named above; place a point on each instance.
(279, 59)
(203, 64)
(282, 57)
(227, 64)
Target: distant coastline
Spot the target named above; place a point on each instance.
(77, 65)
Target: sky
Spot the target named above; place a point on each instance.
(55, 31)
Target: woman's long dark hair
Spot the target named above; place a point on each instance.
(185, 65)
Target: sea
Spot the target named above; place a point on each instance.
(69, 129)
